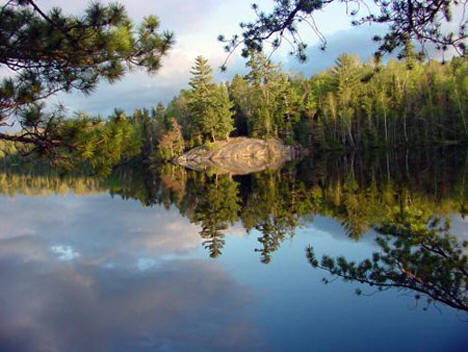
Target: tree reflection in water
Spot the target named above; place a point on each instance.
(417, 253)
(406, 196)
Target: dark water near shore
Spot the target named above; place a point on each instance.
(166, 259)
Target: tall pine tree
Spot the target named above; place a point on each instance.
(209, 103)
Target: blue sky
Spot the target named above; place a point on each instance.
(196, 24)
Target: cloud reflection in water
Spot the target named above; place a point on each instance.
(95, 288)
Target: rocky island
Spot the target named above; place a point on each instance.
(239, 156)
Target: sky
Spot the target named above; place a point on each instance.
(196, 24)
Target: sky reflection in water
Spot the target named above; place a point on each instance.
(99, 273)
(108, 274)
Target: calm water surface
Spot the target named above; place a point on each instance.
(172, 260)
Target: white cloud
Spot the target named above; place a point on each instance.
(65, 253)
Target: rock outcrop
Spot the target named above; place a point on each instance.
(239, 156)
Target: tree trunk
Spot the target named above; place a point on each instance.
(385, 126)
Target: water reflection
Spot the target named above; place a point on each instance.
(60, 270)
(360, 191)
(357, 189)
(417, 255)
(72, 281)
(77, 308)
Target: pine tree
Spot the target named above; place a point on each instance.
(201, 97)
(225, 123)
(209, 104)
(52, 52)
(271, 99)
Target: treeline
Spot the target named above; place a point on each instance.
(87, 143)
(359, 190)
(351, 105)
(406, 102)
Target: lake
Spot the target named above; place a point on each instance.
(160, 258)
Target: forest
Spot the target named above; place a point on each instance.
(383, 103)
(352, 105)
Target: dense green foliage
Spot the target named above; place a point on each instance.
(402, 103)
(101, 144)
(209, 105)
(98, 145)
(360, 191)
(171, 143)
(265, 100)
(351, 105)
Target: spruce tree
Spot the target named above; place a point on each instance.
(209, 103)
(201, 97)
(225, 122)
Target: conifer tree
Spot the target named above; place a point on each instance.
(273, 103)
(201, 97)
(52, 52)
(159, 112)
(428, 22)
(225, 123)
(209, 103)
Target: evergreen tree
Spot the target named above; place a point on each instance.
(417, 253)
(239, 93)
(100, 144)
(159, 112)
(217, 207)
(272, 104)
(52, 52)
(209, 104)
(223, 106)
